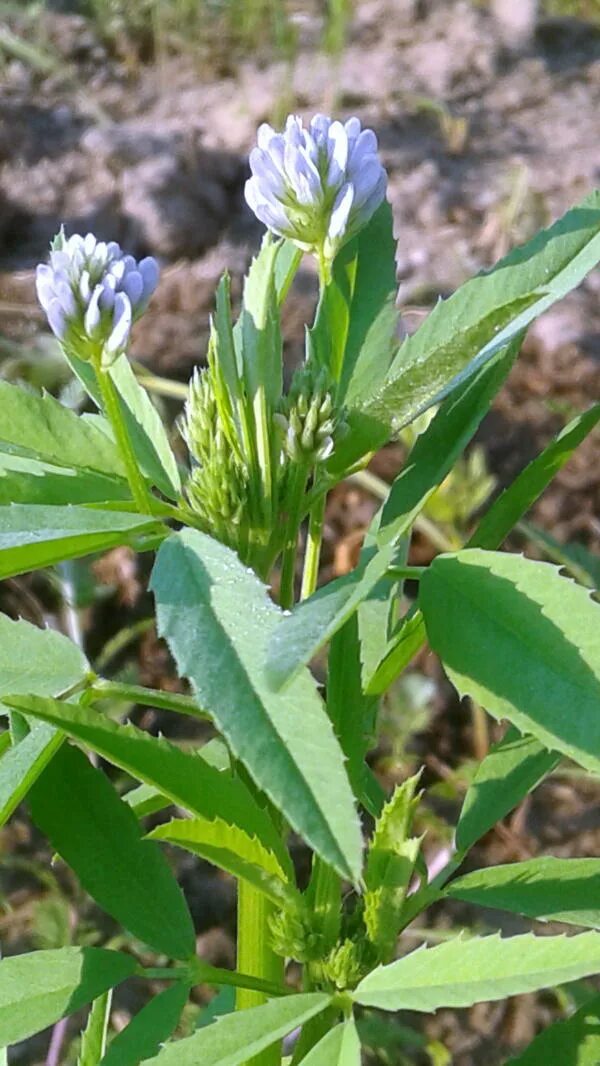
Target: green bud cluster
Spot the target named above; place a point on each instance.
(370, 929)
(296, 934)
(309, 418)
(346, 965)
(217, 487)
(293, 934)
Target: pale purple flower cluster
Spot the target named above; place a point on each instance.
(92, 292)
(317, 185)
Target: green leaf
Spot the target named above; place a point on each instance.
(283, 739)
(41, 428)
(313, 623)
(257, 333)
(373, 314)
(222, 1003)
(226, 356)
(574, 1042)
(552, 890)
(402, 647)
(353, 714)
(93, 1038)
(33, 536)
(231, 849)
(341, 1047)
(39, 661)
(522, 641)
(390, 864)
(495, 526)
(23, 764)
(486, 313)
(355, 331)
(326, 341)
(288, 260)
(516, 500)
(512, 768)
(148, 1030)
(235, 1038)
(25, 480)
(145, 799)
(38, 989)
(479, 970)
(183, 778)
(98, 835)
(144, 424)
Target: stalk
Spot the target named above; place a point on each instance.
(325, 883)
(256, 958)
(264, 453)
(288, 559)
(112, 407)
(254, 953)
(147, 697)
(313, 549)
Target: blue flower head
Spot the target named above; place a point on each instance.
(92, 293)
(317, 185)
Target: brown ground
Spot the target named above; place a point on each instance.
(485, 140)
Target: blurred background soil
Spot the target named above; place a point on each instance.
(134, 120)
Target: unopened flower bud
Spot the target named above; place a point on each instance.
(92, 293)
(313, 425)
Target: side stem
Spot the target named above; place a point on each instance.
(147, 697)
(288, 558)
(313, 549)
(110, 399)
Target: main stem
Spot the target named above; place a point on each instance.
(254, 953)
(256, 957)
(112, 406)
(324, 889)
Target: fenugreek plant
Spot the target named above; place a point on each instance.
(516, 635)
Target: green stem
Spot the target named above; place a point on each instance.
(325, 885)
(256, 958)
(147, 697)
(324, 892)
(175, 390)
(313, 549)
(202, 973)
(288, 558)
(112, 406)
(244, 982)
(261, 420)
(324, 272)
(164, 973)
(121, 640)
(408, 573)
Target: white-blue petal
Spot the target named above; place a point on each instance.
(340, 212)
